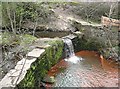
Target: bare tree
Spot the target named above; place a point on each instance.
(10, 18)
(108, 30)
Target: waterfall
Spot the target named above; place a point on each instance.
(69, 51)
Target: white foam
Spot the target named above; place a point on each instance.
(73, 59)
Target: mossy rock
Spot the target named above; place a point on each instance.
(49, 79)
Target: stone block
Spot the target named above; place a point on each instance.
(35, 52)
(21, 62)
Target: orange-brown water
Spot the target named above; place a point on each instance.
(92, 71)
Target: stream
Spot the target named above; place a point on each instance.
(91, 71)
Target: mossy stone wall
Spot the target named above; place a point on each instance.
(41, 66)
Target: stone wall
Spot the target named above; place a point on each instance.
(40, 67)
(96, 38)
(31, 70)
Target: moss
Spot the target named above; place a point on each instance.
(87, 44)
(24, 41)
(41, 66)
(9, 38)
(27, 39)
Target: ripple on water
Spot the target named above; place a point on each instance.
(89, 72)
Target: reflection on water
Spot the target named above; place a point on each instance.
(92, 71)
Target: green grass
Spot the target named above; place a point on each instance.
(9, 39)
(27, 39)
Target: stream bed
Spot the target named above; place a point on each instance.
(91, 71)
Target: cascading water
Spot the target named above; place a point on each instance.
(69, 51)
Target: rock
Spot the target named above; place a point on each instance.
(43, 47)
(36, 52)
(12, 78)
(27, 61)
(71, 36)
(78, 33)
(49, 79)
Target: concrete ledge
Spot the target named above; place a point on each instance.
(35, 52)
